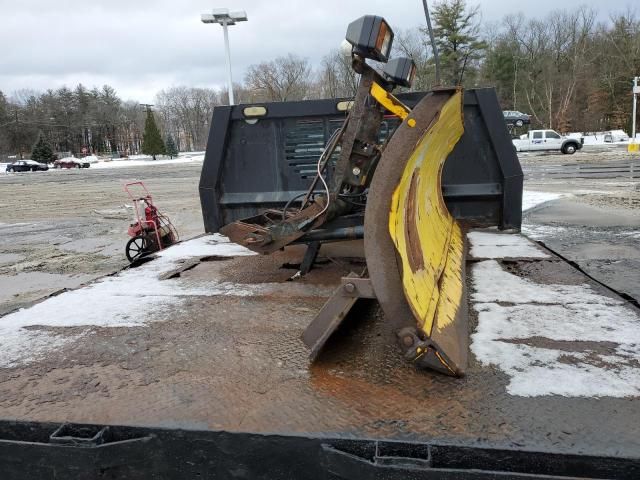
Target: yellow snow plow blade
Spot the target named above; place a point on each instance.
(429, 241)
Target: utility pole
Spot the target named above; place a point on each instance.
(15, 134)
(432, 39)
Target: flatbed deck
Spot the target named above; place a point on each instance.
(215, 346)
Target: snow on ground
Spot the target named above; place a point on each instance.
(134, 297)
(553, 339)
(147, 161)
(531, 198)
(598, 138)
(540, 232)
(501, 245)
(132, 161)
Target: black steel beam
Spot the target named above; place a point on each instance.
(42, 451)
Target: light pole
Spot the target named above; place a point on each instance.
(223, 17)
(636, 90)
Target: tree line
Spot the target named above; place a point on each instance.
(568, 70)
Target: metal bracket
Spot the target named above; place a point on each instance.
(390, 102)
(335, 310)
(384, 461)
(309, 257)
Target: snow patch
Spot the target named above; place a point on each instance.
(202, 246)
(147, 161)
(555, 339)
(134, 297)
(531, 199)
(540, 232)
(502, 245)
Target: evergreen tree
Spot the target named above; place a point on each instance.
(42, 151)
(152, 143)
(170, 147)
(457, 28)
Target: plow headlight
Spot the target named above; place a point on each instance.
(371, 37)
(400, 71)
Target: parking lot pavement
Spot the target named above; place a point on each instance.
(59, 229)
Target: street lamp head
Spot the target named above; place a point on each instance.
(239, 16)
(223, 16)
(220, 12)
(207, 18)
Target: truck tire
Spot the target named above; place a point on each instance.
(570, 148)
(519, 123)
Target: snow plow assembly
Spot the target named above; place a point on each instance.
(406, 174)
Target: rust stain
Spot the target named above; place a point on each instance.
(416, 257)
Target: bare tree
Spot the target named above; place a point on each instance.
(282, 79)
(414, 44)
(553, 55)
(336, 77)
(186, 113)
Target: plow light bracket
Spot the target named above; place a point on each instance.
(371, 37)
(400, 71)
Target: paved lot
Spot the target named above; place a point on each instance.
(59, 229)
(597, 223)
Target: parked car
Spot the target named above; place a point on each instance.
(70, 163)
(549, 140)
(27, 166)
(518, 119)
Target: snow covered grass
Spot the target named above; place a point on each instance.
(147, 161)
(619, 137)
(131, 298)
(501, 245)
(553, 339)
(132, 161)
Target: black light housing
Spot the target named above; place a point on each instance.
(400, 71)
(371, 37)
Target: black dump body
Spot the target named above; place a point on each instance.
(253, 164)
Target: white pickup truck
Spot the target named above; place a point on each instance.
(540, 140)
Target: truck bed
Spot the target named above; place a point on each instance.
(234, 362)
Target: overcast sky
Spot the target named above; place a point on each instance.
(142, 46)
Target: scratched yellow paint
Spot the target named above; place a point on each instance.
(388, 101)
(434, 290)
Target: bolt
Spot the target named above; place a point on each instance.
(356, 171)
(350, 288)
(407, 340)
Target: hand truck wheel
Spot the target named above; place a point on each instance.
(136, 248)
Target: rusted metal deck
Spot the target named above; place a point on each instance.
(236, 363)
